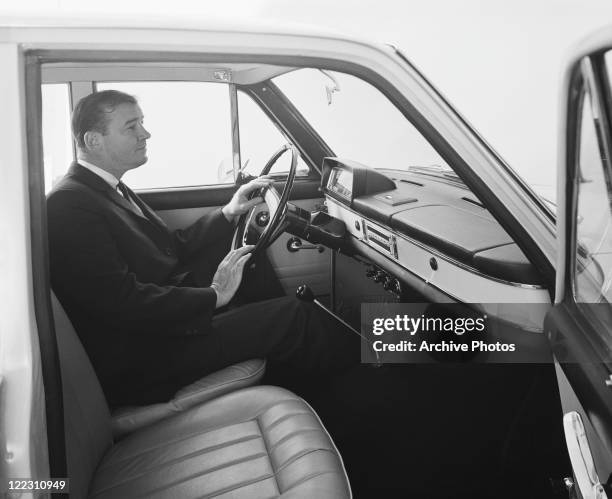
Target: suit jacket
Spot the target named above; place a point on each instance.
(114, 270)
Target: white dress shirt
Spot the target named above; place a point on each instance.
(109, 178)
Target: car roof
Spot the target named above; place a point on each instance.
(203, 24)
(211, 35)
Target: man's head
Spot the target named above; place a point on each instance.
(109, 132)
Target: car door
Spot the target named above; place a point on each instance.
(203, 131)
(580, 323)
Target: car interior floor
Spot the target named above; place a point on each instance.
(447, 430)
(441, 429)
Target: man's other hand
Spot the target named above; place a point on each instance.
(228, 276)
(240, 202)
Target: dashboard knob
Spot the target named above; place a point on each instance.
(379, 276)
(262, 218)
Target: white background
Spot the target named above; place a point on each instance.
(499, 62)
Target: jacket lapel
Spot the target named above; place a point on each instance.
(89, 178)
(148, 212)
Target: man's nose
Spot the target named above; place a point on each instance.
(145, 134)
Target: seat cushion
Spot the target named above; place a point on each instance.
(258, 442)
(125, 420)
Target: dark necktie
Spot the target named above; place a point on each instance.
(126, 194)
(124, 190)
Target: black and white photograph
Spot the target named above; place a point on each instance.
(279, 249)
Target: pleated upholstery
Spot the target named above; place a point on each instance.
(259, 442)
(126, 420)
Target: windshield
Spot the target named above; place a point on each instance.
(358, 122)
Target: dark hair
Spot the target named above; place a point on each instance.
(91, 112)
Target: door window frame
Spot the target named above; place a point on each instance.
(582, 353)
(586, 84)
(590, 87)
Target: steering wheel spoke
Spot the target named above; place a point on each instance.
(277, 207)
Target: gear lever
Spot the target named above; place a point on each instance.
(304, 293)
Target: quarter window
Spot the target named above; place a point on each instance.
(260, 138)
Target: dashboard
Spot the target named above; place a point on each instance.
(425, 227)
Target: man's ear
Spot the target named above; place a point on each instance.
(92, 140)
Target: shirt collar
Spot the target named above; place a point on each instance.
(109, 178)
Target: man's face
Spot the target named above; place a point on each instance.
(124, 145)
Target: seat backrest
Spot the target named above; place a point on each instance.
(86, 414)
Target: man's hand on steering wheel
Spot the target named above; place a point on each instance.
(277, 205)
(240, 202)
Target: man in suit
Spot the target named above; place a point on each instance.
(144, 313)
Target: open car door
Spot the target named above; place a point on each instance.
(580, 324)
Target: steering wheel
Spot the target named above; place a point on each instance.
(277, 206)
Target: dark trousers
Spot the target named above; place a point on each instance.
(302, 343)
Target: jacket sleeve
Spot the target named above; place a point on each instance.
(206, 231)
(87, 267)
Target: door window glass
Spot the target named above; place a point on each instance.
(56, 135)
(190, 126)
(260, 138)
(593, 274)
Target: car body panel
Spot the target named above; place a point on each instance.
(22, 421)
